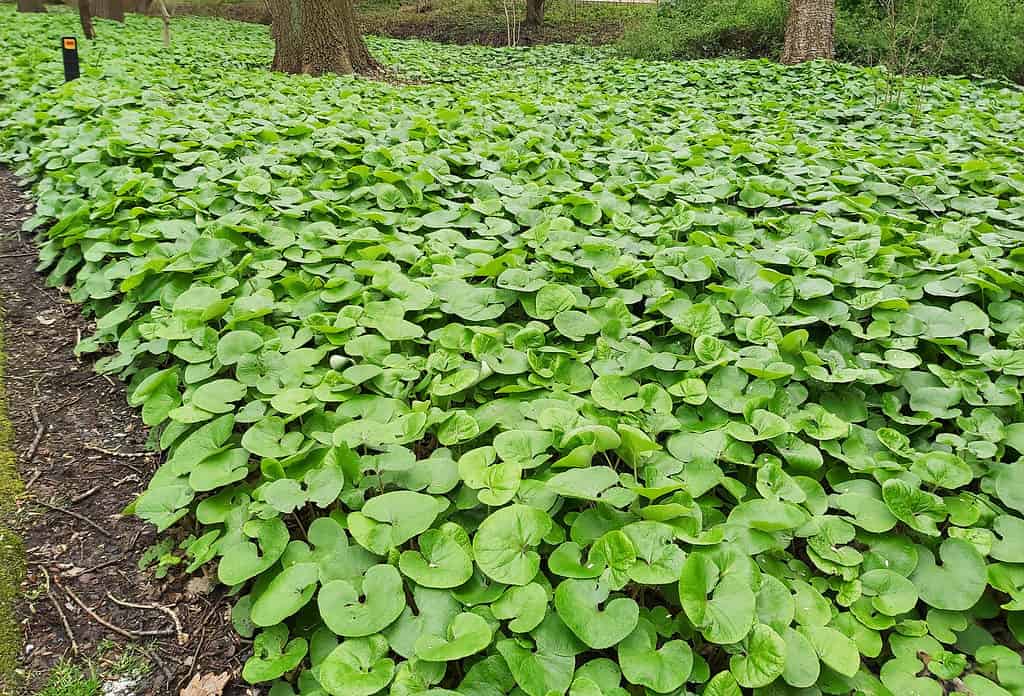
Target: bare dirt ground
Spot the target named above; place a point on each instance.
(81, 454)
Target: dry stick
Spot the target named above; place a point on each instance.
(35, 477)
(182, 636)
(115, 453)
(202, 641)
(82, 496)
(923, 202)
(195, 658)
(152, 655)
(60, 612)
(66, 404)
(101, 566)
(40, 429)
(130, 635)
(77, 516)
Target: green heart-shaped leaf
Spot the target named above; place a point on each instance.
(357, 667)
(355, 612)
(584, 607)
(467, 634)
(286, 593)
(389, 520)
(728, 615)
(763, 659)
(958, 583)
(526, 606)
(443, 559)
(537, 673)
(661, 669)
(503, 545)
(273, 655)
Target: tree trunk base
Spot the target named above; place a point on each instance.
(315, 37)
(534, 13)
(85, 17)
(810, 31)
(31, 6)
(109, 9)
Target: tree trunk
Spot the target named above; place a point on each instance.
(110, 9)
(85, 17)
(810, 31)
(166, 17)
(534, 13)
(31, 6)
(142, 7)
(285, 27)
(317, 37)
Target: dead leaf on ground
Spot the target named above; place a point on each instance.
(199, 585)
(207, 685)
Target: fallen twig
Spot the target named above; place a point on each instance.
(68, 403)
(40, 430)
(152, 654)
(60, 612)
(77, 516)
(131, 635)
(202, 641)
(82, 496)
(115, 453)
(182, 636)
(101, 566)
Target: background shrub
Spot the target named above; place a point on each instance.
(984, 37)
(716, 28)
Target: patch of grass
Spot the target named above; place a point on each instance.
(85, 678)
(12, 550)
(69, 679)
(121, 660)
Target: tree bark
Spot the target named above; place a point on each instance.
(31, 6)
(534, 13)
(285, 28)
(810, 31)
(316, 37)
(85, 17)
(166, 17)
(110, 9)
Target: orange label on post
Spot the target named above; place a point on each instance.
(69, 52)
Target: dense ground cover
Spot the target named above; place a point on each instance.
(556, 372)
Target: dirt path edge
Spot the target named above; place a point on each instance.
(82, 453)
(12, 548)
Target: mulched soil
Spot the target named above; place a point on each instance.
(81, 453)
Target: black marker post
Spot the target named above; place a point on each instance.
(69, 46)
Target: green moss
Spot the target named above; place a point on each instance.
(12, 550)
(68, 679)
